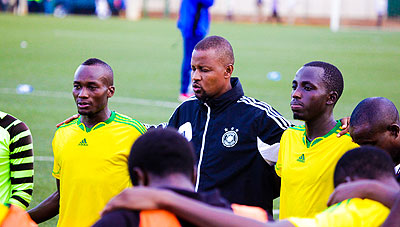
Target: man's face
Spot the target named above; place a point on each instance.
(384, 139)
(91, 90)
(309, 95)
(209, 76)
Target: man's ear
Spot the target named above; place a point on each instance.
(332, 98)
(228, 71)
(394, 130)
(110, 91)
(140, 177)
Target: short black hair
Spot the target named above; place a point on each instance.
(377, 112)
(366, 162)
(96, 61)
(332, 78)
(161, 151)
(221, 45)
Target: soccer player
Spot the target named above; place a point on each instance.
(308, 153)
(16, 162)
(232, 134)
(375, 121)
(91, 152)
(162, 158)
(354, 166)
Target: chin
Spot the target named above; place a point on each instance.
(200, 97)
(85, 113)
(297, 117)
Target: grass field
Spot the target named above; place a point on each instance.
(146, 59)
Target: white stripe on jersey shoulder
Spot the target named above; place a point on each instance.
(279, 119)
(191, 98)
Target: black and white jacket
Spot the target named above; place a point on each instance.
(236, 139)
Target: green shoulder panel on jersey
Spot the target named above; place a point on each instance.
(298, 128)
(127, 120)
(68, 124)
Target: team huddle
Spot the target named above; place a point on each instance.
(223, 157)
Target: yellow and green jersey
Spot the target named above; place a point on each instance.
(351, 212)
(306, 170)
(91, 164)
(16, 161)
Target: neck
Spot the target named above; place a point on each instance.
(91, 120)
(175, 180)
(320, 126)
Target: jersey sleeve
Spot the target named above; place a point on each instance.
(57, 163)
(21, 164)
(282, 147)
(174, 119)
(270, 130)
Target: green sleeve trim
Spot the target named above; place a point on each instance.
(126, 118)
(131, 124)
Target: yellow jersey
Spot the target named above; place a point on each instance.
(351, 212)
(91, 164)
(306, 170)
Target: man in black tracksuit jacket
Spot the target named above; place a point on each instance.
(236, 138)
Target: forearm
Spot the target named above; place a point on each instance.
(381, 193)
(47, 209)
(201, 214)
(393, 220)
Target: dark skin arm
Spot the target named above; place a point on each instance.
(370, 189)
(393, 220)
(73, 117)
(198, 213)
(48, 208)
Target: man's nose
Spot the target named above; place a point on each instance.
(83, 93)
(296, 93)
(196, 75)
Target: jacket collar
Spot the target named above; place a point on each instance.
(228, 97)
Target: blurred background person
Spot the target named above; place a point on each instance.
(194, 23)
(381, 9)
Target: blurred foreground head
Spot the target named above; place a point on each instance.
(365, 162)
(160, 153)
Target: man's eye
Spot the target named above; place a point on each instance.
(307, 88)
(76, 86)
(294, 87)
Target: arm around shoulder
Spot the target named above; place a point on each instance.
(48, 208)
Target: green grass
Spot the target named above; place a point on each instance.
(146, 57)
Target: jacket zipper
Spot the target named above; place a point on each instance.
(202, 147)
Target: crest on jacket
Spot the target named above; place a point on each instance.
(230, 137)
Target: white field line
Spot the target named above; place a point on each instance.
(68, 95)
